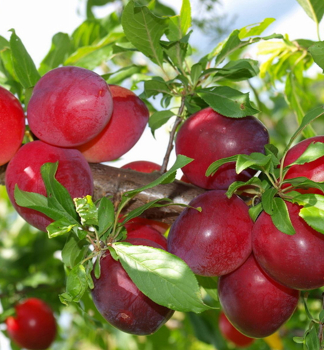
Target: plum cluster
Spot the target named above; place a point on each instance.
(77, 119)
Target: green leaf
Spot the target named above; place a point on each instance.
(209, 284)
(97, 269)
(87, 210)
(255, 160)
(74, 250)
(60, 227)
(88, 33)
(156, 86)
(57, 54)
(37, 202)
(144, 30)
(238, 70)
(234, 43)
(235, 186)
(255, 29)
(308, 118)
(211, 170)
(305, 183)
(167, 177)
(58, 196)
(313, 8)
(312, 211)
(227, 101)
(122, 74)
(255, 211)
(295, 94)
(76, 285)
(267, 200)
(280, 217)
(23, 64)
(163, 277)
(311, 339)
(185, 16)
(106, 215)
(314, 151)
(157, 119)
(317, 52)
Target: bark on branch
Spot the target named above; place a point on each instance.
(111, 181)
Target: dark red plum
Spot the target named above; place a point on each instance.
(121, 303)
(34, 326)
(128, 121)
(69, 106)
(12, 125)
(295, 261)
(216, 240)
(73, 172)
(254, 303)
(207, 136)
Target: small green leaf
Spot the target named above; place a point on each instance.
(122, 74)
(321, 316)
(158, 119)
(155, 86)
(267, 200)
(60, 227)
(23, 64)
(255, 160)
(313, 8)
(167, 177)
(185, 16)
(211, 170)
(106, 215)
(280, 217)
(299, 340)
(314, 217)
(255, 211)
(76, 283)
(227, 101)
(74, 250)
(317, 52)
(314, 151)
(254, 183)
(238, 70)
(57, 54)
(209, 285)
(305, 183)
(58, 196)
(163, 277)
(87, 210)
(311, 339)
(255, 29)
(144, 30)
(97, 268)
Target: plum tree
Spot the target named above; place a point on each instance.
(216, 240)
(218, 137)
(12, 125)
(69, 106)
(34, 326)
(129, 118)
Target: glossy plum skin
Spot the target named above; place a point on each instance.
(128, 121)
(121, 303)
(139, 230)
(312, 170)
(69, 106)
(207, 136)
(142, 166)
(255, 304)
(12, 125)
(73, 173)
(34, 326)
(295, 261)
(215, 241)
(231, 334)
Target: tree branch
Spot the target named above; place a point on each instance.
(111, 181)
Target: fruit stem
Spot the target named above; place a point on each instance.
(172, 135)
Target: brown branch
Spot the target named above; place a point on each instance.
(111, 181)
